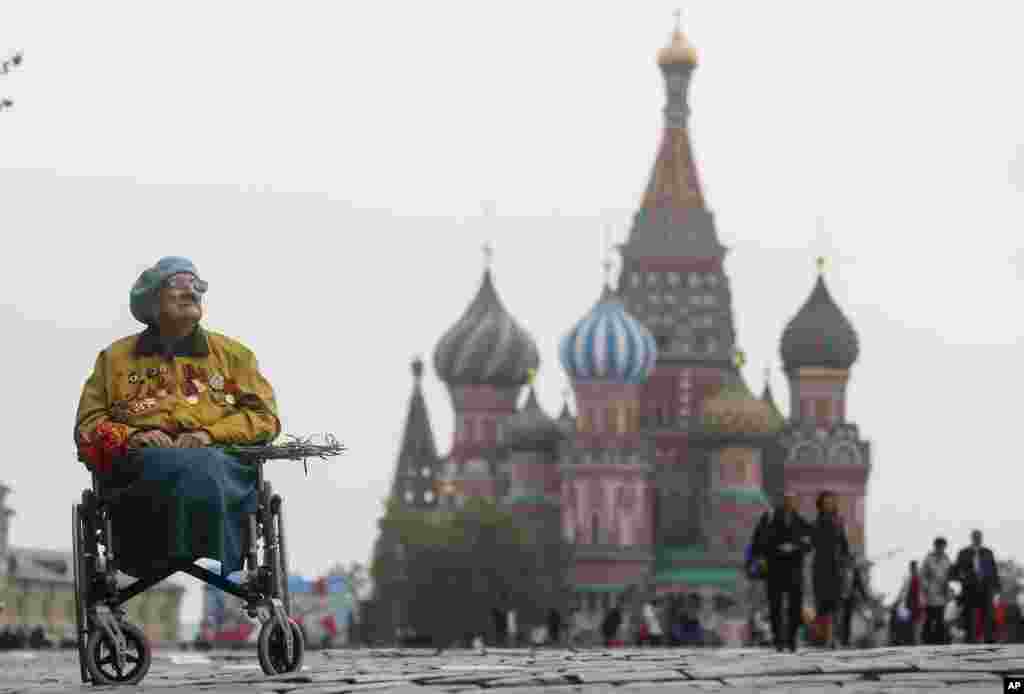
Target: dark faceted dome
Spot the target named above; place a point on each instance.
(531, 427)
(486, 346)
(819, 334)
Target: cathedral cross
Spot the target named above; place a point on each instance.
(488, 255)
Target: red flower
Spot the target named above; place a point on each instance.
(108, 441)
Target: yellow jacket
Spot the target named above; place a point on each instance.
(210, 383)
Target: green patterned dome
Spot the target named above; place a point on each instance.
(819, 334)
(735, 410)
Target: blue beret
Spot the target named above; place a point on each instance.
(146, 289)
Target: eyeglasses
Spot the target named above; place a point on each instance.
(184, 280)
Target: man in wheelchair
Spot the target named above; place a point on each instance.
(151, 422)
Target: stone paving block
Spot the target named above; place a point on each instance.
(1000, 665)
(892, 687)
(669, 687)
(526, 681)
(617, 677)
(718, 671)
(862, 666)
(775, 681)
(957, 676)
(964, 665)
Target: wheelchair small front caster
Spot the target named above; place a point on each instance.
(101, 658)
(271, 648)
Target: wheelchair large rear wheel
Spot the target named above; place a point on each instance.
(81, 588)
(100, 657)
(271, 648)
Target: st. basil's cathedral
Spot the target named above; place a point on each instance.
(658, 480)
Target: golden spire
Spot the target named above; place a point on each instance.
(531, 376)
(821, 264)
(739, 358)
(488, 255)
(679, 50)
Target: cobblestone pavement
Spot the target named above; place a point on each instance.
(639, 671)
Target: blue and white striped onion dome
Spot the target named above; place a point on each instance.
(609, 345)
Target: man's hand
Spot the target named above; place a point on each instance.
(787, 547)
(153, 438)
(194, 439)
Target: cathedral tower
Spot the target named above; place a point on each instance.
(484, 359)
(607, 490)
(738, 431)
(672, 277)
(530, 442)
(416, 469)
(824, 449)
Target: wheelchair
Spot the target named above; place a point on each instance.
(112, 651)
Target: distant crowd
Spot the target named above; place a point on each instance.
(924, 611)
(927, 606)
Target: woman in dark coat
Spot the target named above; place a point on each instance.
(831, 555)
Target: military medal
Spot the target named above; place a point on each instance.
(190, 390)
(230, 399)
(144, 405)
(217, 382)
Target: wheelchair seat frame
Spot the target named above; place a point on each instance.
(113, 651)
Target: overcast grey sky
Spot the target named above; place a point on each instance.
(324, 165)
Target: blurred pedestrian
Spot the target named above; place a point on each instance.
(976, 570)
(831, 557)
(855, 596)
(781, 540)
(610, 626)
(554, 627)
(911, 603)
(935, 570)
(500, 619)
(655, 632)
(512, 626)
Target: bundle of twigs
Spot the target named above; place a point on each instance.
(295, 449)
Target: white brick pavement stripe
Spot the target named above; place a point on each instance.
(652, 671)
